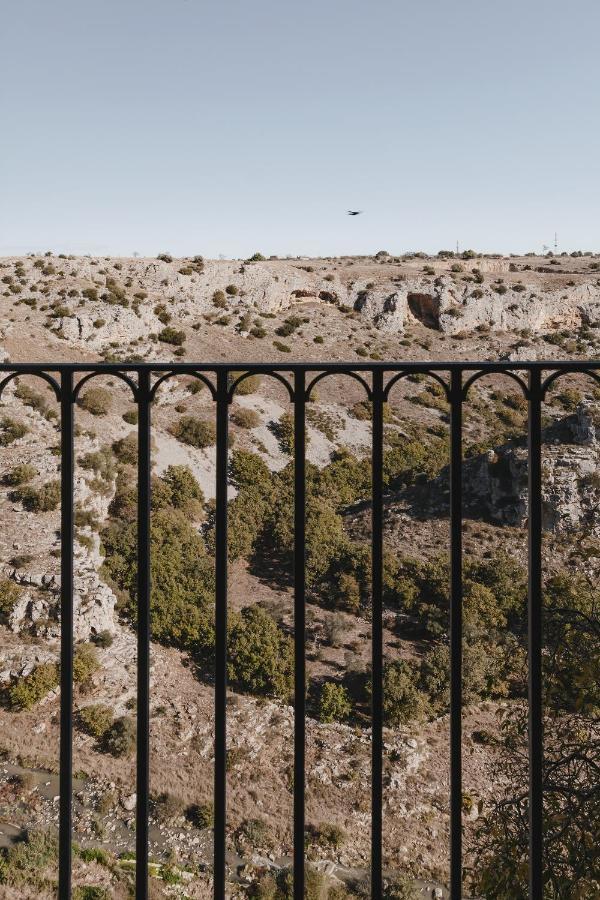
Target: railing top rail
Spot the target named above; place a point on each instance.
(312, 366)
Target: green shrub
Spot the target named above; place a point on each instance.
(103, 639)
(199, 433)
(121, 738)
(334, 702)
(246, 418)
(283, 348)
(401, 888)
(201, 815)
(20, 474)
(131, 416)
(260, 654)
(96, 719)
(170, 335)
(183, 487)
(167, 807)
(91, 892)
(256, 257)
(24, 863)
(34, 399)
(96, 400)
(284, 432)
(43, 499)
(249, 385)
(30, 689)
(327, 835)
(125, 449)
(9, 595)
(85, 663)
(182, 577)
(402, 699)
(94, 854)
(11, 430)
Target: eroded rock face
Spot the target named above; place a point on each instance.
(387, 310)
(496, 482)
(451, 306)
(38, 606)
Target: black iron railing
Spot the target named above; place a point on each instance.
(377, 379)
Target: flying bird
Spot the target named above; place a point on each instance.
(354, 212)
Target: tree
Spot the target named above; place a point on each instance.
(334, 702)
(260, 654)
(402, 699)
(182, 578)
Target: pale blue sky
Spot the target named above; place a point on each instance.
(240, 125)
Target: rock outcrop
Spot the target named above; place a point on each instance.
(496, 482)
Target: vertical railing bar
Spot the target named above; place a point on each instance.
(220, 772)
(534, 615)
(299, 629)
(67, 458)
(143, 637)
(456, 600)
(377, 637)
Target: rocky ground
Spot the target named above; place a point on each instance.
(57, 307)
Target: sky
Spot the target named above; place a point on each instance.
(229, 127)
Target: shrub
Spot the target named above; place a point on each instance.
(232, 290)
(170, 335)
(131, 416)
(34, 399)
(20, 474)
(327, 835)
(85, 663)
(183, 486)
(261, 655)
(91, 892)
(249, 385)
(96, 719)
(125, 449)
(402, 699)
(22, 864)
(32, 688)
(96, 400)
(256, 257)
(120, 739)
(9, 595)
(167, 807)
(401, 888)
(334, 702)
(103, 639)
(284, 432)
(165, 257)
(201, 815)
(246, 418)
(195, 432)
(11, 430)
(219, 299)
(43, 499)
(283, 348)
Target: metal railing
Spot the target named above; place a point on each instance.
(377, 379)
